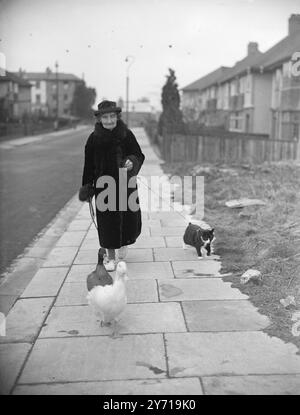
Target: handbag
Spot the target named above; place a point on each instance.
(86, 192)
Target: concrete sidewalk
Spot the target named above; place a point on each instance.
(185, 331)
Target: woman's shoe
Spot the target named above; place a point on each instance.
(122, 252)
(110, 265)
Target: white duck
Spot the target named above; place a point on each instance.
(110, 300)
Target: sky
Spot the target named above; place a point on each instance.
(92, 38)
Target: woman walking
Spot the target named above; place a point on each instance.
(113, 158)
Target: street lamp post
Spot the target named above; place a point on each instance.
(129, 59)
(57, 94)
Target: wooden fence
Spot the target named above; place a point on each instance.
(226, 149)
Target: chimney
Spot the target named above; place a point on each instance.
(252, 48)
(294, 23)
(48, 70)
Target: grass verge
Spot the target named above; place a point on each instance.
(266, 238)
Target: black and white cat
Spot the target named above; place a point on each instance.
(195, 236)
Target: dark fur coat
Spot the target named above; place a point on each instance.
(105, 152)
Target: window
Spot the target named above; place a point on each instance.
(226, 96)
(236, 122)
(54, 85)
(66, 97)
(233, 88)
(295, 131)
(242, 86)
(287, 69)
(54, 97)
(248, 91)
(37, 84)
(66, 85)
(38, 98)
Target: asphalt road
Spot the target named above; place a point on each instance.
(36, 181)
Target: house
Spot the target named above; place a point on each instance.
(285, 86)
(259, 94)
(226, 96)
(244, 94)
(15, 97)
(52, 92)
(199, 99)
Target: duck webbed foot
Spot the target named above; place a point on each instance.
(115, 334)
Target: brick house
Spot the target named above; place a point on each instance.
(285, 86)
(15, 97)
(258, 94)
(46, 87)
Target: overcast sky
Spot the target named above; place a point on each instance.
(94, 37)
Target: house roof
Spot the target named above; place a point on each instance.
(250, 61)
(207, 80)
(281, 51)
(50, 76)
(10, 76)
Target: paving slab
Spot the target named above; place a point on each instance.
(149, 242)
(198, 289)
(237, 315)
(167, 231)
(252, 385)
(61, 256)
(20, 275)
(231, 353)
(174, 242)
(170, 215)
(140, 255)
(96, 358)
(196, 269)
(135, 270)
(145, 231)
(71, 238)
(36, 252)
(145, 216)
(141, 291)
(180, 222)
(135, 319)
(84, 213)
(79, 225)
(90, 256)
(137, 291)
(92, 234)
(90, 244)
(151, 270)
(12, 357)
(46, 282)
(151, 222)
(79, 273)
(182, 386)
(25, 319)
(175, 254)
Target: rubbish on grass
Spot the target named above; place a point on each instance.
(239, 203)
(289, 300)
(296, 325)
(251, 275)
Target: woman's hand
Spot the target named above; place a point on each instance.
(128, 164)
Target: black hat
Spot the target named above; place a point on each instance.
(107, 106)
